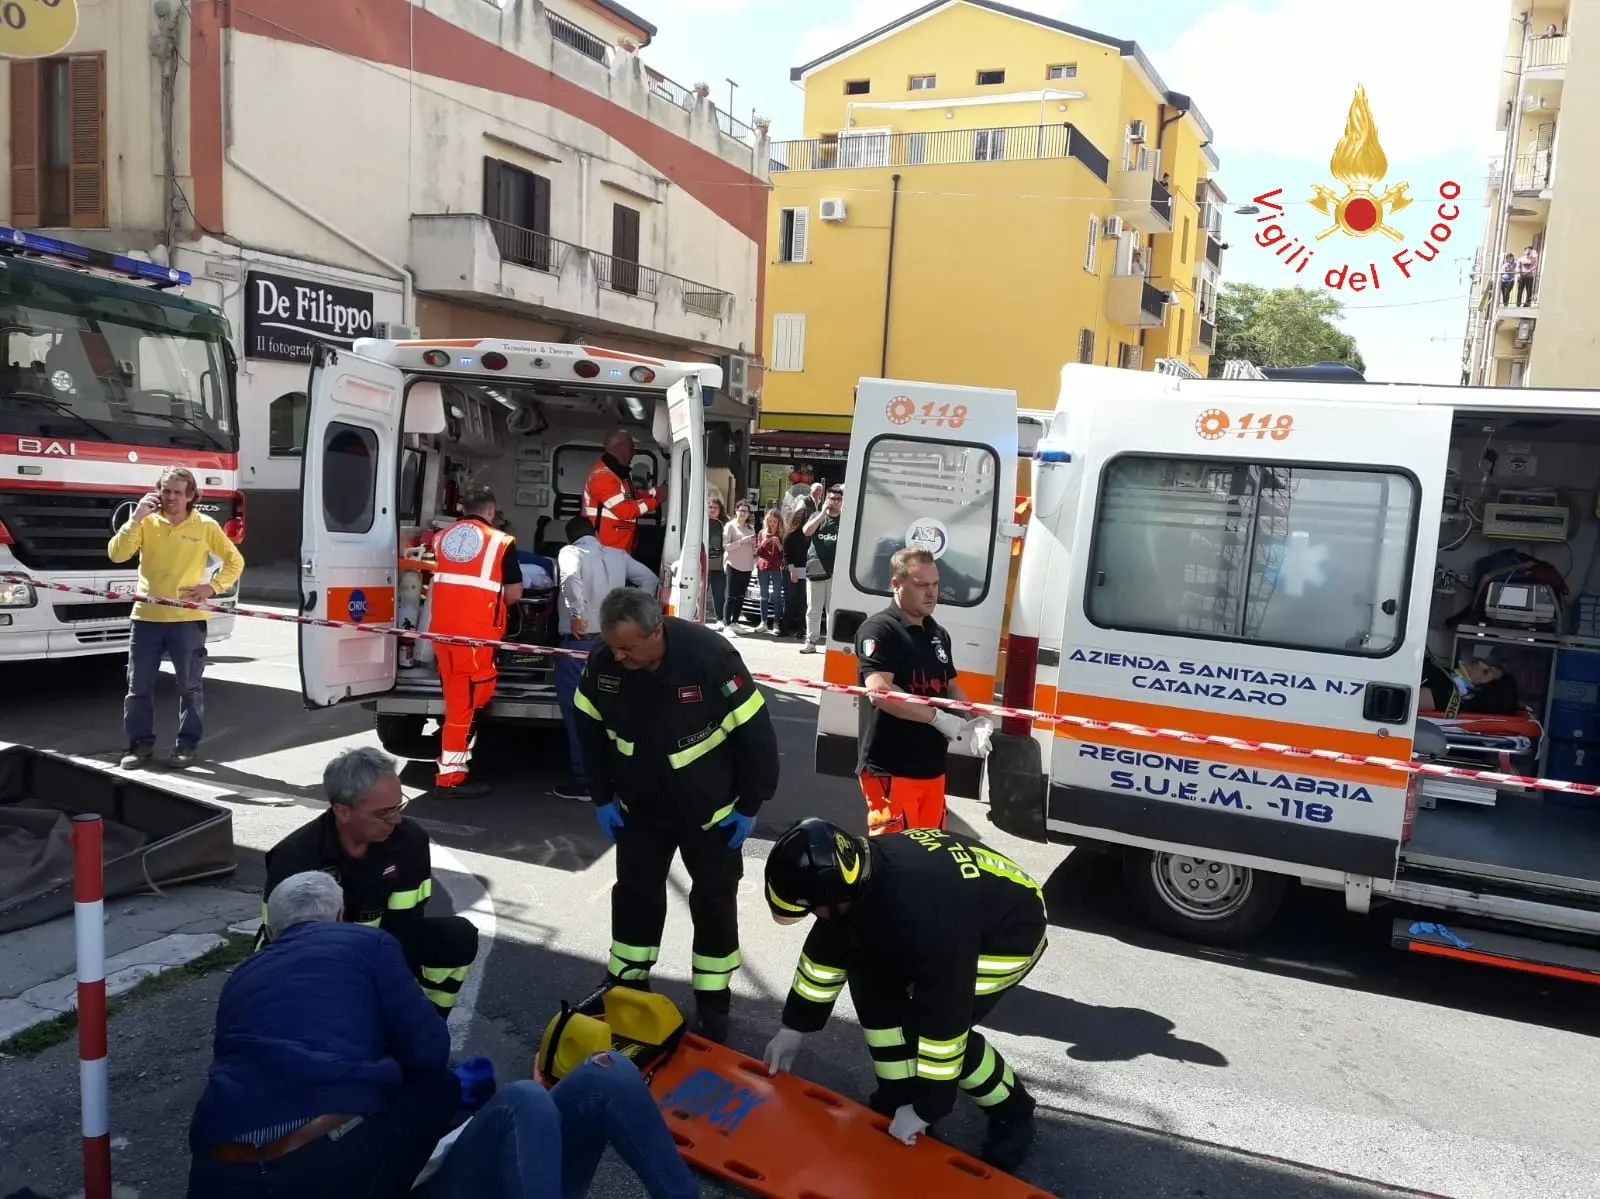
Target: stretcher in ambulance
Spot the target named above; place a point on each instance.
(1261, 560)
(397, 429)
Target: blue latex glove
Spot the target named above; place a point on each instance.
(610, 818)
(740, 824)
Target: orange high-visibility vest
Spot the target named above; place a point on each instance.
(467, 594)
(612, 508)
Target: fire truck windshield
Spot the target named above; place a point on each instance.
(93, 359)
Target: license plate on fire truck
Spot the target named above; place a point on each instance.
(125, 587)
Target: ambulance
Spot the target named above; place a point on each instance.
(1271, 561)
(396, 430)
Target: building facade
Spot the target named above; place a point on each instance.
(1531, 319)
(331, 171)
(983, 195)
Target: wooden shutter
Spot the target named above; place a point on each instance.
(625, 248)
(25, 147)
(86, 104)
(799, 228)
(789, 341)
(491, 189)
(539, 205)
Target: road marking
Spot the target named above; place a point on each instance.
(445, 829)
(482, 915)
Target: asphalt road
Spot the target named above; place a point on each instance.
(1318, 1063)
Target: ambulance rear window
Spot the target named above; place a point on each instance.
(1304, 557)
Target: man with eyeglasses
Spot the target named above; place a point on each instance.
(382, 860)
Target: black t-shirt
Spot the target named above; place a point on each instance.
(824, 544)
(919, 658)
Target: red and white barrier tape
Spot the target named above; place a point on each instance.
(1431, 769)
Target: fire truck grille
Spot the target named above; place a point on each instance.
(68, 530)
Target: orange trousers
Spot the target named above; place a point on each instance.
(896, 804)
(466, 674)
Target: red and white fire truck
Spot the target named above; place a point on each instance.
(107, 375)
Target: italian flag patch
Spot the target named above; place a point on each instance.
(732, 685)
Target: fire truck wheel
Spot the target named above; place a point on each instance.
(1204, 900)
(401, 734)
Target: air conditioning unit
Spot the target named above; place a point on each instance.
(1524, 333)
(1112, 227)
(831, 210)
(735, 377)
(393, 331)
(1136, 131)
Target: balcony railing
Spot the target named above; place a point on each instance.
(1211, 218)
(1533, 171)
(1153, 301)
(1161, 198)
(541, 252)
(1547, 52)
(1013, 143)
(579, 38)
(685, 98)
(1213, 251)
(1206, 334)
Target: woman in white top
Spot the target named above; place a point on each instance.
(739, 558)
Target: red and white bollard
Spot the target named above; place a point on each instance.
(89, 920)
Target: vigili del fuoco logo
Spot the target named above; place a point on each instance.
(1360, 164)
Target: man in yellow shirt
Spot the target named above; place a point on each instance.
(173, 542)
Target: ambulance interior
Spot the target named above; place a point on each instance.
(533, 443)
(1516, 609)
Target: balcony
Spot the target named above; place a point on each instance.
(467, 257)
(1013, 143)
(1145, 203)
(1136, 302)
(1547, 57)
(1533, 173)
(1205, 336)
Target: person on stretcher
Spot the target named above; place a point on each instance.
(1475, 686)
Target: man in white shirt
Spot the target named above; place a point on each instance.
(588, 573)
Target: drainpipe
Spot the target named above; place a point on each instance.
(888, 276)
(407, 281)
(1502, 224)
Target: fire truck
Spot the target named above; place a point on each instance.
(107, 375)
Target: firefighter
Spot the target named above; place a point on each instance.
(930, 930)
(902, 746)
(609, 499)
(382, 860)
(475, 576)
(681, 754)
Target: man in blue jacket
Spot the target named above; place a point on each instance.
(330, 1073)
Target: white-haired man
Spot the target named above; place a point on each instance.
(330, 1073)
(384, 864)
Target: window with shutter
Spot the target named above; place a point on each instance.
(789, 341)
(1091, 254)
(625, 249)
(1086, 345)
(517, 203)
(86, 118)
(793, 228)
(25, 210)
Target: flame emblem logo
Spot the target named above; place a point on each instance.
(1360, 164)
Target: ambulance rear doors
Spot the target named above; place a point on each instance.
(934, 466)
(349, 533)
(684, 585)
(1259, 566)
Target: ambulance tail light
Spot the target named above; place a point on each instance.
(1022, 667)
(235, 526)
(5, 534)
(585, 369)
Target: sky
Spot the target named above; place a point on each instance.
(1274, 78)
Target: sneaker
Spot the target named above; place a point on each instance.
(137, 757)
(578, 791)
(1010, 1134)
(772, 628)
(182, 757)
(462, 791)
(810, 647)
(732, 630)
(714, 625)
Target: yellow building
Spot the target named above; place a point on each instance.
(984, 194)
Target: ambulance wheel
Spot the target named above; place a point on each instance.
(401, 734)
(1201, 899)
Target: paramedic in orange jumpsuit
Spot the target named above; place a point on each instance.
(475, 576)
(608, 496)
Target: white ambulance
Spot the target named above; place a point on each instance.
(1267, 561)
(396, 430)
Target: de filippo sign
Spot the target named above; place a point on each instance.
(36, 28)
(284, 317)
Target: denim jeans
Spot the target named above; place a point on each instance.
(719, 594)
(738, 586)
(184, 642)
(772, 588)
(529, 1143)
(568, 672)
(377, 1159)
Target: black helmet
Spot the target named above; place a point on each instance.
(815, 865)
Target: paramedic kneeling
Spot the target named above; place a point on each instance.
(330, 1075)
(902, 745)
(382, 861)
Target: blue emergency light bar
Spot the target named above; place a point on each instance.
(13, 240)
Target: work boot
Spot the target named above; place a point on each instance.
(137, 757)
(711, 1016)
(1010, 1132)
(182, 757)
(462, 791)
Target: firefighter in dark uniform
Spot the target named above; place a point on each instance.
(930, 930)
(681, 754)
(382, 861)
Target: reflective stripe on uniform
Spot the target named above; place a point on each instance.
(816, 982)
(713, 974)
(940, 1061)
(730, 722)
(997, 972)
(404, 901)
(632, 963)
(582, 703)
(449, 579)
(990, 1081)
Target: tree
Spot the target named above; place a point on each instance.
(1286, 326)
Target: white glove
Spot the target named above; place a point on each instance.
(907, 1126)
(782, 1050)
(947, 723)
(975, 735)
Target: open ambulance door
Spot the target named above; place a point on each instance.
(1261, 568)
(934, 466)
(683, 550)
(349, 530)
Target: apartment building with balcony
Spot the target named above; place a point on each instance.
(1541, 333)
(982, 195)
(453, 167)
